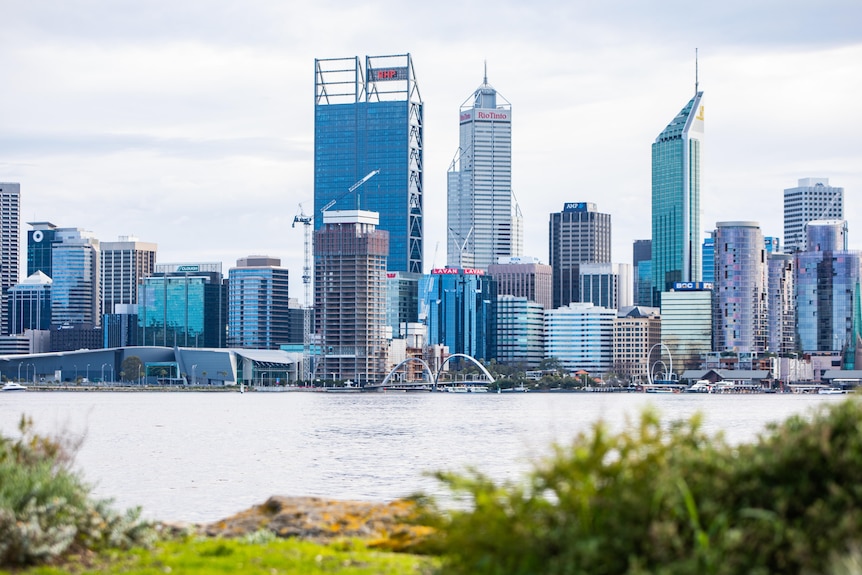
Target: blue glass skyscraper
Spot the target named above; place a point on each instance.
(365, 119)
(676, 179)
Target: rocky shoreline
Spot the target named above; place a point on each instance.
(392, 526)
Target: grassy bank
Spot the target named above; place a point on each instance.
(263, 555)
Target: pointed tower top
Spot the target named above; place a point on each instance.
(695, 72)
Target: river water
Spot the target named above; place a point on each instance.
(187, 456)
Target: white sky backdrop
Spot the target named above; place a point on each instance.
(190, 124)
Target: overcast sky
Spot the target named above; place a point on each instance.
(190, 124)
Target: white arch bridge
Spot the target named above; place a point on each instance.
(426, 369)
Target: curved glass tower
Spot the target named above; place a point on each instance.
(676, 180)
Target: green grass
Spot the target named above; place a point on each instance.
(268, 557)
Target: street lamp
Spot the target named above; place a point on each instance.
(88, 372)
(34, 372)
(194, 367)
(103, 371)
(19, 370)
(76, 371)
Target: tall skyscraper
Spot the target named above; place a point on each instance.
(740, 300)
(40, 241)
(781, 309)
(123, 264)
(812, 199)
(676, 181)
(483, 221)
(258, 304)
(75, 301)
(369, 120)
(642, 272)
(350, 296)
(10, 248)
(580, 234)
(30, 304)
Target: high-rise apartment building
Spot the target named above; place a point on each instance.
(677, 155)
(812, 199)
(523, 277)
(740, 301)
(122, 265)
(483, 221)
(10, 247)
(579, 234)
(350, 296)
(258, 304)
(827, 274)
(686, 325)
(75, 301)
(183, 304)
(369, 120)
(781, 307)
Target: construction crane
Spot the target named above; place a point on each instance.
(350, 190)
(306, 282)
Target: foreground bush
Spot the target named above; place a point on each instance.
(46, 509)
(671, 500)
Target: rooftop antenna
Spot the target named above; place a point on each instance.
(486, 72)
(695, 72)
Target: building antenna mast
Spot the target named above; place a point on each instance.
(485, 81)
(695, 72)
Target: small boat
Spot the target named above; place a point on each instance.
(12, 386)
(463, 388)
(831, 391)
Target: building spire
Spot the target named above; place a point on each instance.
(485, 81)
(695, 72)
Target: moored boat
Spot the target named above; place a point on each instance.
(12, 386)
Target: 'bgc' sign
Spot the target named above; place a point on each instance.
(692, 286)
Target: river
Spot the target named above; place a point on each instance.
(191, 456)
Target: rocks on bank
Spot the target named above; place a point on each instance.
(391, 526)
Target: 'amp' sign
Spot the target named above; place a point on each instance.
(387, 74)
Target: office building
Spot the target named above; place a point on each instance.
(75, 301)
(40, 241)
(581, 336)
(708, 258)
(10, 247)
(826, 277)
(520, 332)
(462, 311)
(258, 304)
(350, 296)
(122, 265)
(740, 297)
(183, 304)
(483, 221)
(606, 285)
(402, 301)
(812, 199)
(523, 277)
(29, 304)
(120, 328)
(677, 157)
(773, 244)
(781, 307)
(637, 337)
(642, 272)
(579, 234)
(686, 324)
(369, 120)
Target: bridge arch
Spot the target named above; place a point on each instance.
(464, 355)
(425, 367)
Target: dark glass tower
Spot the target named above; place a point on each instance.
(369, 119)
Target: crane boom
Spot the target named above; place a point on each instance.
(351, 189)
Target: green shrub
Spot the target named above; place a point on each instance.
(46, 509)
(670, 500)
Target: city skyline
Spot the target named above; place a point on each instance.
(193, 128)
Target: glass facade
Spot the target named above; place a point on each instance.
(520, 332)
(812, 199)
(182, 309)
(686, 327)
(740, 313)
(462, 311)
(75, 268)
(676, 181)
(258, 307)
(39, 242)
(402, 301)
(378, 127)
(781, 308)
(581, 337)
(29, 304)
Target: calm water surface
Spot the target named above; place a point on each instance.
(204, 456)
